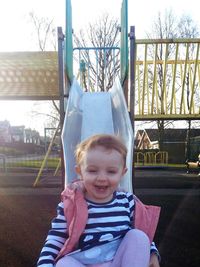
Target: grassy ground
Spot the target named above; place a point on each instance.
(25, 220)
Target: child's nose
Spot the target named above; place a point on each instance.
(102, 176)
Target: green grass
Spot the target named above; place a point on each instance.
(10, 151)
(51, 163)
(176, 165)
(160, 164)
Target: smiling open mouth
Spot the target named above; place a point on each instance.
(101, 188)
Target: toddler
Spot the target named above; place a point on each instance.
(96, 222)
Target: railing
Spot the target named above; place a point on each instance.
(33, 161)
(151, 158)
(167, 79)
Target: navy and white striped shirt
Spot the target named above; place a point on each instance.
(106, 223)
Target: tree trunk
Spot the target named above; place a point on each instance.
(187, 145)
(161, 128)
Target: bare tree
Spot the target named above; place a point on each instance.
(103, 64)
(164, 26)
(45, 34)
(168, 26)
(188, 29)
(44, 30)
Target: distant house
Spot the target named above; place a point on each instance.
(5, 136)
(174, 142)
(14, 134)
(32, 136)
(146, 139)
(18, 133)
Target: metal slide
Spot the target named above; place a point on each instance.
(93, 113)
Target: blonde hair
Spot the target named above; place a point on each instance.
(104, 140)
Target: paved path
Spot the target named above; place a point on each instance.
(22, 183)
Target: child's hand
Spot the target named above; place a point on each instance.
(154, 261)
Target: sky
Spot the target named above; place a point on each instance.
(17, 32)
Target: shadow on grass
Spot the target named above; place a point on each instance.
(167, 178)
(178, 233)
(25, 221)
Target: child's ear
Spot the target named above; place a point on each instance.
(78, 169)
(124, 170)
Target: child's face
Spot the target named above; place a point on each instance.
(101, 171)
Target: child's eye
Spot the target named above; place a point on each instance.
(112, 171)
(92, 171)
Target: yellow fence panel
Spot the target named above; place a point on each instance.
(167, 79)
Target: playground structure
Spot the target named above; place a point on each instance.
(35, 75)
(159, 158)
(174, 95)
(89, 113)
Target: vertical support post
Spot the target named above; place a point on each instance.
(124, 48)
(132, 89)
(68, 45)
(61, 92)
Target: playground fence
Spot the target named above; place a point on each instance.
(30, 161)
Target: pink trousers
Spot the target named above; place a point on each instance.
(134, 251)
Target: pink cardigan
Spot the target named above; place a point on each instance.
(76, 214)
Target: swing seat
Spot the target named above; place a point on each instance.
(192, 165)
